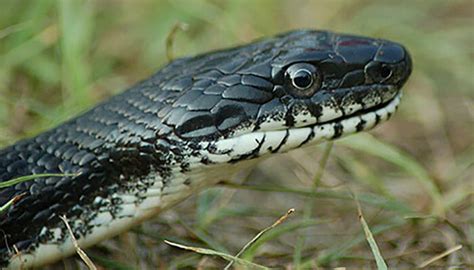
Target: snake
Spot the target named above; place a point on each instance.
(193, 123)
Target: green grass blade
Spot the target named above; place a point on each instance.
(371, 199)
(369, 144)
(308, 208)
(25, 178)
(10, 203)
(76, 22)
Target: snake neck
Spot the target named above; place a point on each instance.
(192, 122)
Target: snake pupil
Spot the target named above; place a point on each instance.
(303, 79)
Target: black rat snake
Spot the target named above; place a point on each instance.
(186, 127)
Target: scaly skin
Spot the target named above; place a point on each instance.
(177, 131)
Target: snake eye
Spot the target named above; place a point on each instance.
(304, 78)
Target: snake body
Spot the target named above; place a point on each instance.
(186, 127)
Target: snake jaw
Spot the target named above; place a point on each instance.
(261, 143)
(336, 112)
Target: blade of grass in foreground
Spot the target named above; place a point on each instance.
(78, 249)
(227, 257)
(289, 227)
(381, 265)
(260, 234)
(21, 179)
(10, 202)
(341, 250)
(25, 178)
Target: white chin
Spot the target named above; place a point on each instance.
(260, 143)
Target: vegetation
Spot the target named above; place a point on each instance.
(413, 177)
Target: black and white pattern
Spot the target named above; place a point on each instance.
(193, 122)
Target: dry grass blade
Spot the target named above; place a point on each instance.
(227, 257)
(439, 256)
(79, 251)
(170, 39)
(381, 265)
(262, 232)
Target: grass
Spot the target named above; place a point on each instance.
(4, 183)
(205, 251)
(8, 183)
(413, 176)
(379, 261)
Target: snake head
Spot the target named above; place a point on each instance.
(133, 155)
(280, 93)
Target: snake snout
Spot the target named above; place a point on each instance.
(391, 65)
(406, 67)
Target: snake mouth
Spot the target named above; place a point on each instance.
(367, 118)
(379, 107)
(255, 144)
(360, 120)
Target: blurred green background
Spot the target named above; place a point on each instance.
(414, 175)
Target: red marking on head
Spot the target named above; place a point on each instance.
(353, 42)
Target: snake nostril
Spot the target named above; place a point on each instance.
(385, 72)
(377, 72)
